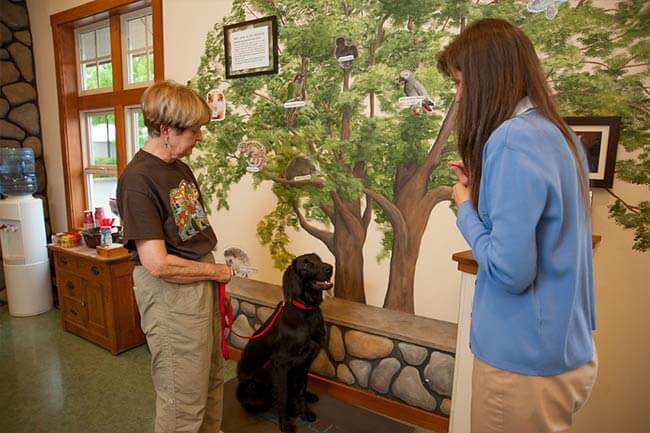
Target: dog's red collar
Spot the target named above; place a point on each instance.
(225, 311)
(299, 305)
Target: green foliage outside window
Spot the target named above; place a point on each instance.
(98, 76)
(102, 160)
(140, 68)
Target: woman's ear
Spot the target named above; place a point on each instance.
(164, 134)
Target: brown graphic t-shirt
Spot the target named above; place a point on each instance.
(161, 200)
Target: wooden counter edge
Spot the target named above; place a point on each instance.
(466, 262)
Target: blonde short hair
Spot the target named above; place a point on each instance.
(174, 105)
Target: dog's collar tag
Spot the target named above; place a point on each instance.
(299, 305)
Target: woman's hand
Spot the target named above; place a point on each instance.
(223, 273)
(461, 191)
(458, 167)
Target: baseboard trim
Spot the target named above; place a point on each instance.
(372, 402)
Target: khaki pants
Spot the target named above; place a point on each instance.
(503, 401)
(181, 323)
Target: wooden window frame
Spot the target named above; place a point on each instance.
(72, 103)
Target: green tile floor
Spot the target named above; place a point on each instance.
(52, 381)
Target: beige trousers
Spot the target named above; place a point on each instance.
(503, 401)
(181, 322)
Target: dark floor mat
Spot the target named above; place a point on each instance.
(334, 416)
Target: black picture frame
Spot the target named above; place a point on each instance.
(271, 23)
(599, 137)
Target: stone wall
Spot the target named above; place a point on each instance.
(20, 124)
(412, 374)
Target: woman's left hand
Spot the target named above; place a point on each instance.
(460, 193)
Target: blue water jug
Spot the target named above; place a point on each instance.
(17, 171)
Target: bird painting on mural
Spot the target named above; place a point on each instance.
(295, 92)
(413, 87)
(346, 52)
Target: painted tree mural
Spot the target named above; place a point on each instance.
(376, 158)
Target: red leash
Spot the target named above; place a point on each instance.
(227, 319)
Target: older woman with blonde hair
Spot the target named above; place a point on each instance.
(165, 224)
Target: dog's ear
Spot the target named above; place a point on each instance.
(291, 282)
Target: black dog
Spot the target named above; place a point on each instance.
(274, 367)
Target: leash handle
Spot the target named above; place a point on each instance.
(226, 318)
(225, 311)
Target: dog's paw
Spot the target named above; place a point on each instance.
(308, 416)
(310, 397)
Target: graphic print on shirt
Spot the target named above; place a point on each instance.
(188, 212)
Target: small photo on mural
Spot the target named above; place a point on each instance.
(217, 102)
(345, 54)
(295, 97)
(239, 262)
(255, 154)
(301, 168)
(415, 94)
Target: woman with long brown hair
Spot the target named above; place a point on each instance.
(522, 199)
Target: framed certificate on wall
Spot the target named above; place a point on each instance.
(251, 48)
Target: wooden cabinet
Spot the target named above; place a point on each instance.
(96, 297)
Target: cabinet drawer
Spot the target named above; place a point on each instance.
(92, 270)
(65, 262)
(70, 286)
(74, 311)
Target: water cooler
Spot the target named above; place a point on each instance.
(22, 235)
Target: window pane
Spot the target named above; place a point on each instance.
(137, 31)
(87, 45)
(89, 73)
(102, 188)
(150, 66)
(142, 134)
(105, 74)
(137, 131)
(101, 134)
(103, 42)
(138, 72)
(149, 31)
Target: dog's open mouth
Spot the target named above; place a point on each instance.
(323, 285)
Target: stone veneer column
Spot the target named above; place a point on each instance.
(20, 124)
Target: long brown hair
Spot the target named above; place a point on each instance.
(499, 67)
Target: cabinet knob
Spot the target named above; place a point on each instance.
(64, 260)
(69, 285)
(73, 312)
(94, 270)
(83, 303)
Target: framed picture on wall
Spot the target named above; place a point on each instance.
(599, 136)
(251, 48)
